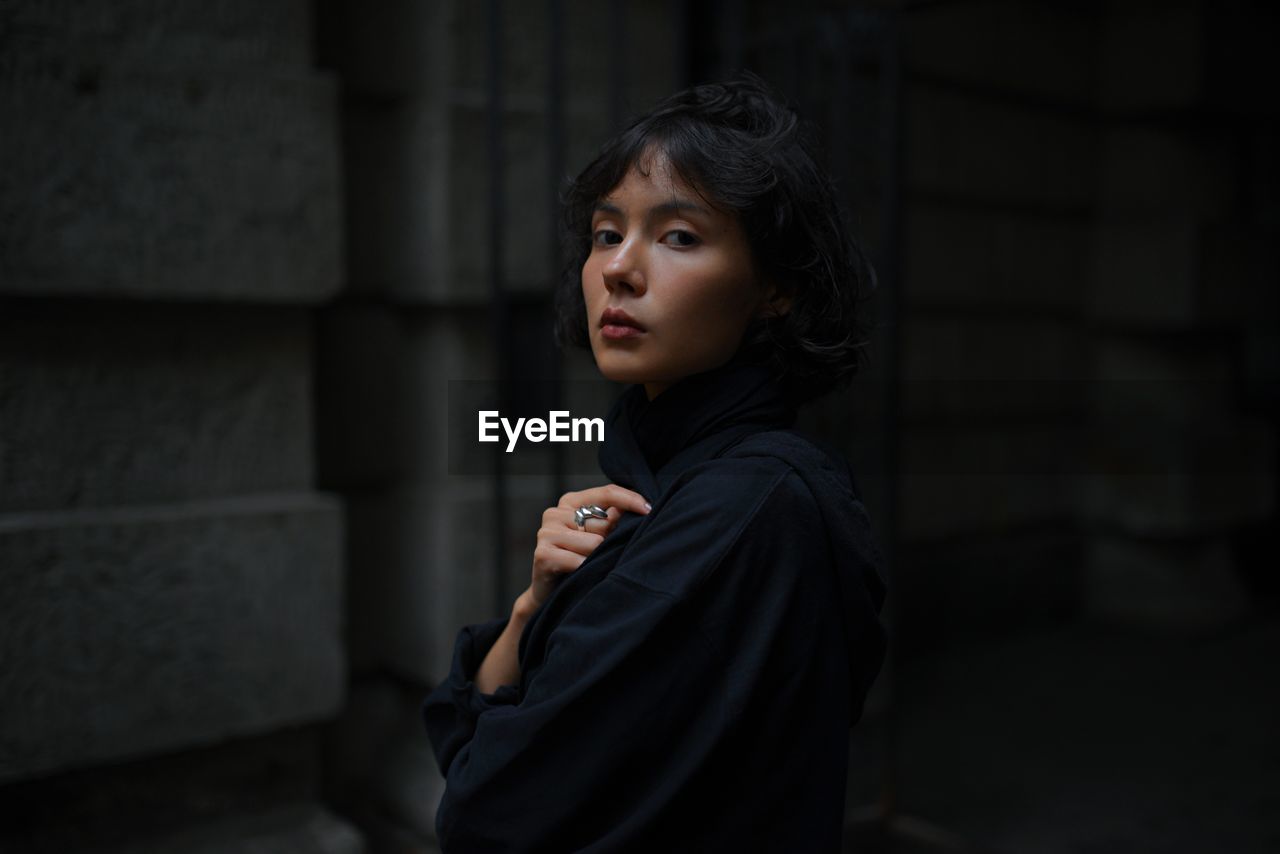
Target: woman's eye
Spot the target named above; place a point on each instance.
(679, 237)
(606, 237)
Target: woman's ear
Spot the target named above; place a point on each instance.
(776, 302)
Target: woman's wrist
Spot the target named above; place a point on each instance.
(501, 664)
(524, 608)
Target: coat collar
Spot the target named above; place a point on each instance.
(648, 443)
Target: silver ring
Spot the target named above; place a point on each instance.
(582, 514)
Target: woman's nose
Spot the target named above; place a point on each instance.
(625, 269)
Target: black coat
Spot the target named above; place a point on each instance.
(690, 687)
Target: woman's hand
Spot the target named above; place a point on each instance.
(563, 546)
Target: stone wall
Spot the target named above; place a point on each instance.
(1000, 154)
(170, 214)
(1088, 384)
(1183, 312)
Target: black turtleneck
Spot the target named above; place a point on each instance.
(690, 687)
(718, 407)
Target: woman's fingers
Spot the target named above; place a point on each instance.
(551, 561)
(578, 542)
(609, 495)
(564, 518)
(563, 545)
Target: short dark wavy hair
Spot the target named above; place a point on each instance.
(748, 154)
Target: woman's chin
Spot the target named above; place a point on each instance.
(621, 370)
(623, 376)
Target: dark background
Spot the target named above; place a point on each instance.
(245, 247)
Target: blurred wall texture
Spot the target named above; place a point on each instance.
(245, 247)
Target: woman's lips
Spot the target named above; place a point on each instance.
(617, 331)
(616, 324)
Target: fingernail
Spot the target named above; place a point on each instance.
(648, 506)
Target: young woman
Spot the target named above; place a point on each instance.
(681, 674)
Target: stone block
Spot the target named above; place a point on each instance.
(301, 828)
(434, 247)
(1239, 274)
(201, 185)
(118, 403)
(1237, 50)
(422, 567)
(970, 256)
(397, 160)
(1150, 172)
(1157, 476)
(1164, 585)
(397, 48)
(1042, 49)
(175, 37)
(124, 805)
(993, 478)
(1152, 55)
(525, 248)
(1260, 366)
(530, 220)
(421, 530)
(986, 584)
(443, 347)
(653, 64)
(1264, 175)
(1004, 366)
(393, 384)
(961, 146)
(365, 434)
(1004, 347)
(388, 775)
(649, 60)
(1148, 271)
(1187, 501)
(1170, 382)
(132, 631)
(1170, 448)
(525, 40)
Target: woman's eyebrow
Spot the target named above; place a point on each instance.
(673, 206)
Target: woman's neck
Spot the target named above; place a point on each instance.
(652, 390)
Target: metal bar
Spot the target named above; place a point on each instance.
(684, 70)
(891, 286)
(733, 19)
(618, 65)
(555, 163)
(499, 311)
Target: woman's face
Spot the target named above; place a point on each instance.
(669, 285)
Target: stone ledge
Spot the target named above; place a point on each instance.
(962, 147)
(111, 404)
(174, 36)
(170, 186)
(1175, 585)
(1040, 49)
(971, 255)
(126, 632)
(299, 829)
(1152, 55)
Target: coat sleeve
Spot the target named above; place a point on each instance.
(451, 710)
(630, 700)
